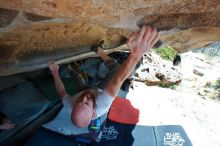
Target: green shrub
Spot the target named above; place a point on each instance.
(217, 82)
(172, 86)
(166, 52)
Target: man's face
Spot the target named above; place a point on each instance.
(84, 109)
(86, 99)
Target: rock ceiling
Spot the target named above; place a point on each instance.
(35, 31)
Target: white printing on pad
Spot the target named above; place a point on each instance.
(110, 133)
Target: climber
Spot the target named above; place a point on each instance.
(91, 103)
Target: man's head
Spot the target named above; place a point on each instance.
(83, 110)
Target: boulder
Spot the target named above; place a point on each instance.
(156, 71)
(30, 48)
(160, 13)
(33, 32)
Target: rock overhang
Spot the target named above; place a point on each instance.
(37, 28)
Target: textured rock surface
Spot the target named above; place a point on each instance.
(7, 16)
(156, 71)
(27, 35)
(31, 47)
(192, 38)
(33, 17)
(182, 21)
(120, 13)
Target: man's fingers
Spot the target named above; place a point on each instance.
(152, 35)
(50, 62)
(8, 125)
(141, 33)
(53, 65)
(155, 40)
(8, 122)
(147, 34)
(11, 125)
(131, 38)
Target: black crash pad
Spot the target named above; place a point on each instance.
(45, 137)
(22, 103)
(116, 134)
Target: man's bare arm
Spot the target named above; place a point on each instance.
(58, 82)
(114, 85)
(139, 43)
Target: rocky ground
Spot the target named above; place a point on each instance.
(199, 75)
(194, 103)
(159, 106)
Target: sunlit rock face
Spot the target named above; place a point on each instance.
(35, 31)
(162, 13)
(30, 48)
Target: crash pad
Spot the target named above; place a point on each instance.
(45, 137)
(117, 134)
(122, 111)
(171, 135)
(22, 104)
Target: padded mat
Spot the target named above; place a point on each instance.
(171, 135)
(123, 112)
(44, 137)
(116, 134)
(22, 104)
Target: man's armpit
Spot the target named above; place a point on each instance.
(66, 100)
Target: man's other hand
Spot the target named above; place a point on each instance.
(53, 66)
(140, 42)
(7, 125)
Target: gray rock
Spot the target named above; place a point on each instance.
(155, 71)
(198, 73)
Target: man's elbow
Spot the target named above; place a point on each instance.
(62, 93)
(111, 92)
(113, 88)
